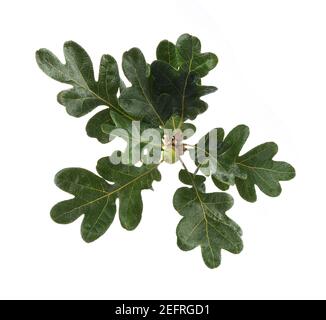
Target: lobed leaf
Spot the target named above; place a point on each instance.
(86, 94)
(204, 221)
(186, 54)
(220, 157)
(139, 100)
(262, 171)
(95, 198)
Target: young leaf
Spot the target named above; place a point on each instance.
(204, 221)
(95, 198)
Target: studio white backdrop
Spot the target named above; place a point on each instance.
(271, 76)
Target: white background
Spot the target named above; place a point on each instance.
(271, 76)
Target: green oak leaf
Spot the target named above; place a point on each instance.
(86, 93)
(178, 72)
(204, 221)
(262, 171)
(186, 54)
(139, 99)
(182, 87)
(129, 182)
(220, 157)
(95, 198)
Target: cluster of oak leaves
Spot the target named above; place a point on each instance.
(164, 95)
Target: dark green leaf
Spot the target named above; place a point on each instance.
(186, 54)
(178, 72)
(205, 223)
(138, 100)
(129, 182)
(183, 87)
(221, 158)
(263, 172)
(86, 93)
(95, 198)
(190, 57)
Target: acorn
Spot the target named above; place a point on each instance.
(173, 148)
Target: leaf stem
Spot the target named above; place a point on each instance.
(197, 169)
(183, 164)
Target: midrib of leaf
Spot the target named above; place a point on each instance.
(108, 194)
(254, 155)
(169, 57)
(242, 162)
(261, 168)
(98, 218)
(204, 215)
(220, 221)
(203, 206)
(184, 90)
(87, 187)
(185, 205)
(105, 101)
(95, 94)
